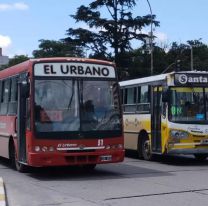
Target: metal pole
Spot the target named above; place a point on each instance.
(151, 39)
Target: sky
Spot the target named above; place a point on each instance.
(24, 22)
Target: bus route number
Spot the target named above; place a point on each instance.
(176, 110)
(100, 142)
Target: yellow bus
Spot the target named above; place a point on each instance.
(166, 114)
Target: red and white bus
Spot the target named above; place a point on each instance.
(60, 111)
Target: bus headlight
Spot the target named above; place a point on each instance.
(44, 149)
(37, 148)
(177, 134)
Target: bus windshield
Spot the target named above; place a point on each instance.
(76, 106)
(189, 104)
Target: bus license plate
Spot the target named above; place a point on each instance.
(106, 158)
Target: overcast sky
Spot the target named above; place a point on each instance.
(25, 22)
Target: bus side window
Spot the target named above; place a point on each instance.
(5, 96)
(143, 99)
(130, 99)
(13, 97)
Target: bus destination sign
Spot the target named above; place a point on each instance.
(74, 70)
(190, 79)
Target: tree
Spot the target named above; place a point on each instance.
(52, 48)
(140, 59)
(17, 59)
(113, 31)
(182, 52)
(200, 54)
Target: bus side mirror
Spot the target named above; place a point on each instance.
(166, 95)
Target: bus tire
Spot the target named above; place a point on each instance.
(200, 157)
(146, 150)
(14, 162)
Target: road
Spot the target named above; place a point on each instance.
(173, 181)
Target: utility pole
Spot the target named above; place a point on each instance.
(151, 40)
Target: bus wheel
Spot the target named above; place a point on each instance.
(200, 157)
(146, 151)
(21, 167)
(15, 164)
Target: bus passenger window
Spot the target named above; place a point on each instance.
(143, 99)
(5, 96)
(130, 99)
(13, 97)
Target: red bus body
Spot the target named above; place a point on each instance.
(55, 150)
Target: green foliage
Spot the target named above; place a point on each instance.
(51, 48)
(17, 59)
(113, 30)
(182, 52)
(166, 60)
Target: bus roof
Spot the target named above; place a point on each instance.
(24, 66)
(144, 80)
(71, 59)
(156, 78)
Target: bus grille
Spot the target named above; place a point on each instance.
(84, 159)
(80, 151)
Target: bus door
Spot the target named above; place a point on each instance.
(23, 90)
(156, 118)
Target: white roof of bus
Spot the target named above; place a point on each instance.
(144, 80)
(159, 77)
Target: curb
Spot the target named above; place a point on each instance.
(2, 193)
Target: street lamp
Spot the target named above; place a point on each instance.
(151, 38)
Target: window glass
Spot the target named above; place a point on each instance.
(5, 98)
(144, 94)
(131, 96)
(56, 105)
(143, 99)
(12, 109)
(2, 91)
(14, 89)
(100, 109)
(188, 104)
(7, 92)
(71, 105)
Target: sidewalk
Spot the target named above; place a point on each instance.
(2, 193)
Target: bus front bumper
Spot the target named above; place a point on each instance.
(187, 148)
(66, 159)
(189, 151)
